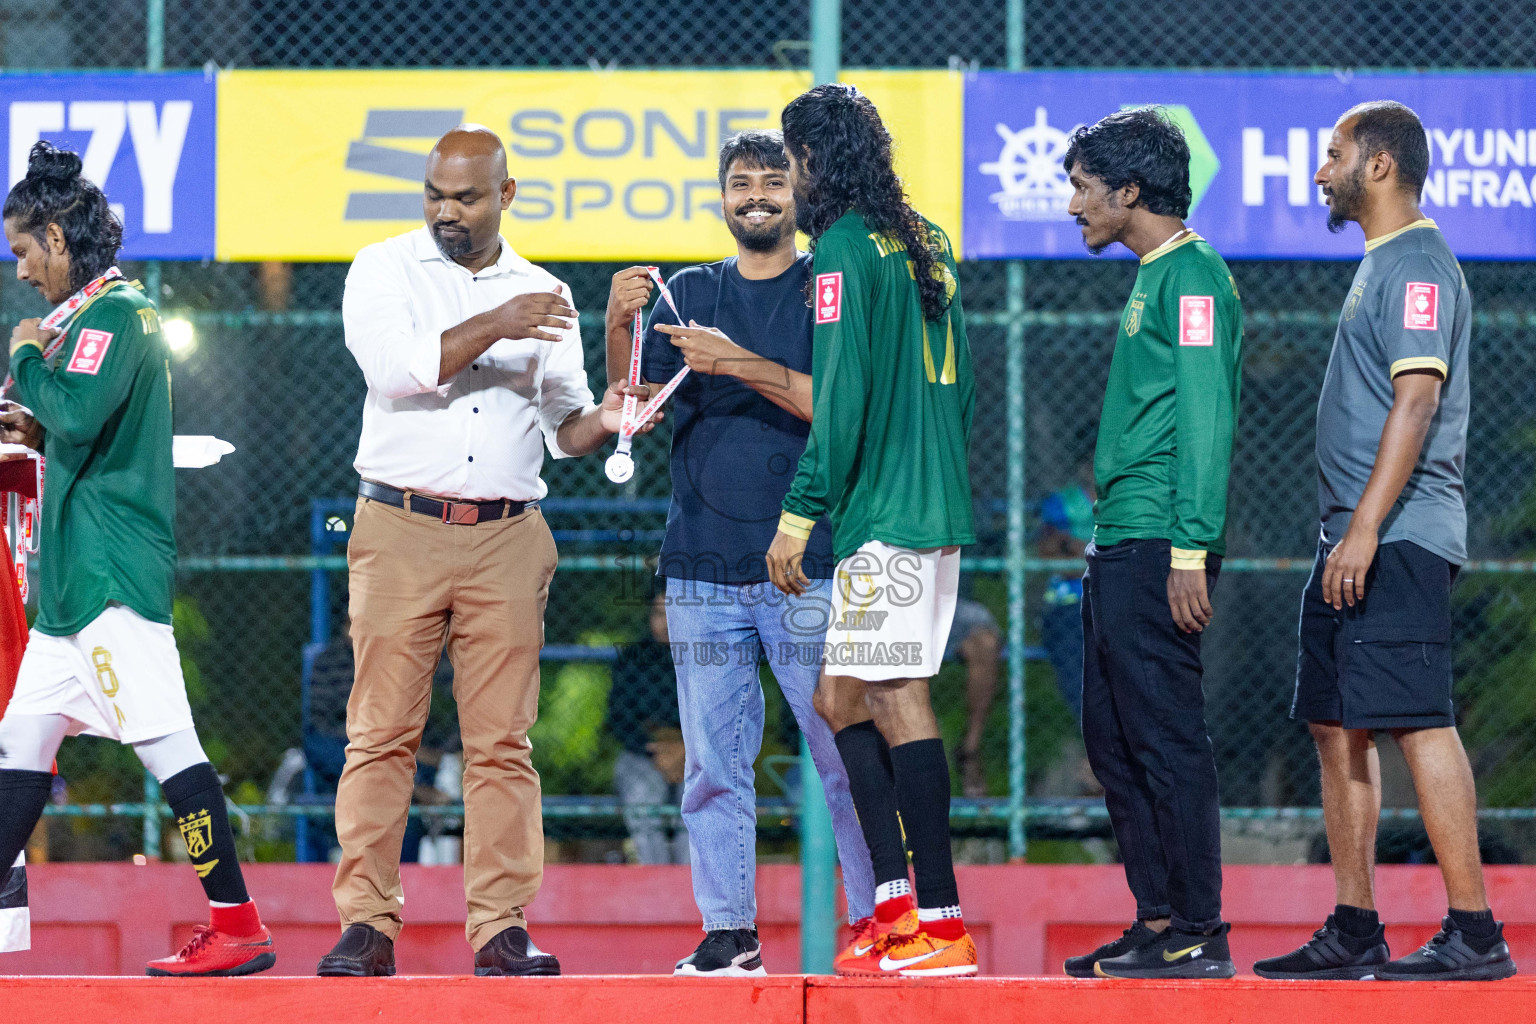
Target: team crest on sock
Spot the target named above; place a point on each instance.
(197, 833)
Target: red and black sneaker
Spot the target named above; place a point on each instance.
(215, 954)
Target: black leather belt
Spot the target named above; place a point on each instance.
(464, 513)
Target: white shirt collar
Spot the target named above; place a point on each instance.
(508, 262)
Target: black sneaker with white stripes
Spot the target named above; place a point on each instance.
(1331, 955)
(732, 953)
(1451, 955)
(1134, 937)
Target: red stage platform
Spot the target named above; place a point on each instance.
(777, 1000)
(109, 919)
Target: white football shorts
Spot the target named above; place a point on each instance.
(891, 612)
(119, 678)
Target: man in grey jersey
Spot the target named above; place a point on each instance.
(1375, 633)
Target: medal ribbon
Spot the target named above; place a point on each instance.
(634, 418)
(61, 315)
(29, 510)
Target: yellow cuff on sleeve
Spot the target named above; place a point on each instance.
(1187, 558)
(795, 526)
(1420, 363)
(24, 343)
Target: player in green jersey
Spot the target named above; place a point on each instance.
(892, 396)
(101, 658)
(1160, 471)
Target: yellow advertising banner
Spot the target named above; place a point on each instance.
(610, 165)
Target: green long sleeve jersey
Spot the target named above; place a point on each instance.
(109, 501)
(892, 399)
(1170, 409)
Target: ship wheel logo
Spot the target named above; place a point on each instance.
(1034, 184)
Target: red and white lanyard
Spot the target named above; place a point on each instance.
(28, 511)
(620, 466)
(61, 315)
(29, 508)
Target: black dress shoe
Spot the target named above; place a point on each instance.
(511, 954)
(363, 952)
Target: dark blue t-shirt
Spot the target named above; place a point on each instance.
(734, 453)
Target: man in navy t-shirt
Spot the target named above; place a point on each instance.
(739, 423)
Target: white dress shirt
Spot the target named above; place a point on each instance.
(476, 435)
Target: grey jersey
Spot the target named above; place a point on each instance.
(1409, 309)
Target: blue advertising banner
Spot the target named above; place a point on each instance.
(146, 139)
(1256, 140)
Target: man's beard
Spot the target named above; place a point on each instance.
(1344, 199)
(764, 237)
(1093, 250)
(454, 243)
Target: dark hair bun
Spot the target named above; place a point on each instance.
(50, 163)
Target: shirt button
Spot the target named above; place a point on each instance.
(477, 408)
(471, 458)
(474, 366)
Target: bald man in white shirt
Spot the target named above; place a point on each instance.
(474, 367)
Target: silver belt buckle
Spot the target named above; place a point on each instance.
(460, 514)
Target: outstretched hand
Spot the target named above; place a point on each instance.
(704, 349)
(613, 406)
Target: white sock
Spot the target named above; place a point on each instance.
(891, 890)
(938, 913)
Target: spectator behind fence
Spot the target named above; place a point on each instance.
(325, 744)
(975, 639)
(643, 717)
(1066, 527)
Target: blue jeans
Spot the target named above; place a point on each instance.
(719, 634)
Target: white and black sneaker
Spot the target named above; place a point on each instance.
(729, 953)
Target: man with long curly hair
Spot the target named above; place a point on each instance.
(892, 398)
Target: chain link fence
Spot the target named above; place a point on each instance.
(262, 594)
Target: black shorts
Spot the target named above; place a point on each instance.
(1386, 662)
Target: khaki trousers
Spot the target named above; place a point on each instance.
(483, 587)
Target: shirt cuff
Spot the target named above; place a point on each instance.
(1420, 363)
(550, 428)
(1188, 558)
(32, 342)
(425, 363)
(795, 526)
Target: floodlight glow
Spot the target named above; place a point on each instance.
(180, 336)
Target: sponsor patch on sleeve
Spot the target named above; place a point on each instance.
(829, 298)
(1421, 306)
(1197, 320)
(90, 350)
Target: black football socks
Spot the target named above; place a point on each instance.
(197, 801)
(922, 792)
(872, 784)
(23, 795)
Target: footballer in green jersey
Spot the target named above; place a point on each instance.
(892, 396)
(101, 658)
(1165, 440)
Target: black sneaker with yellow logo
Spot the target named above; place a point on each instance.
(1174, 954)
